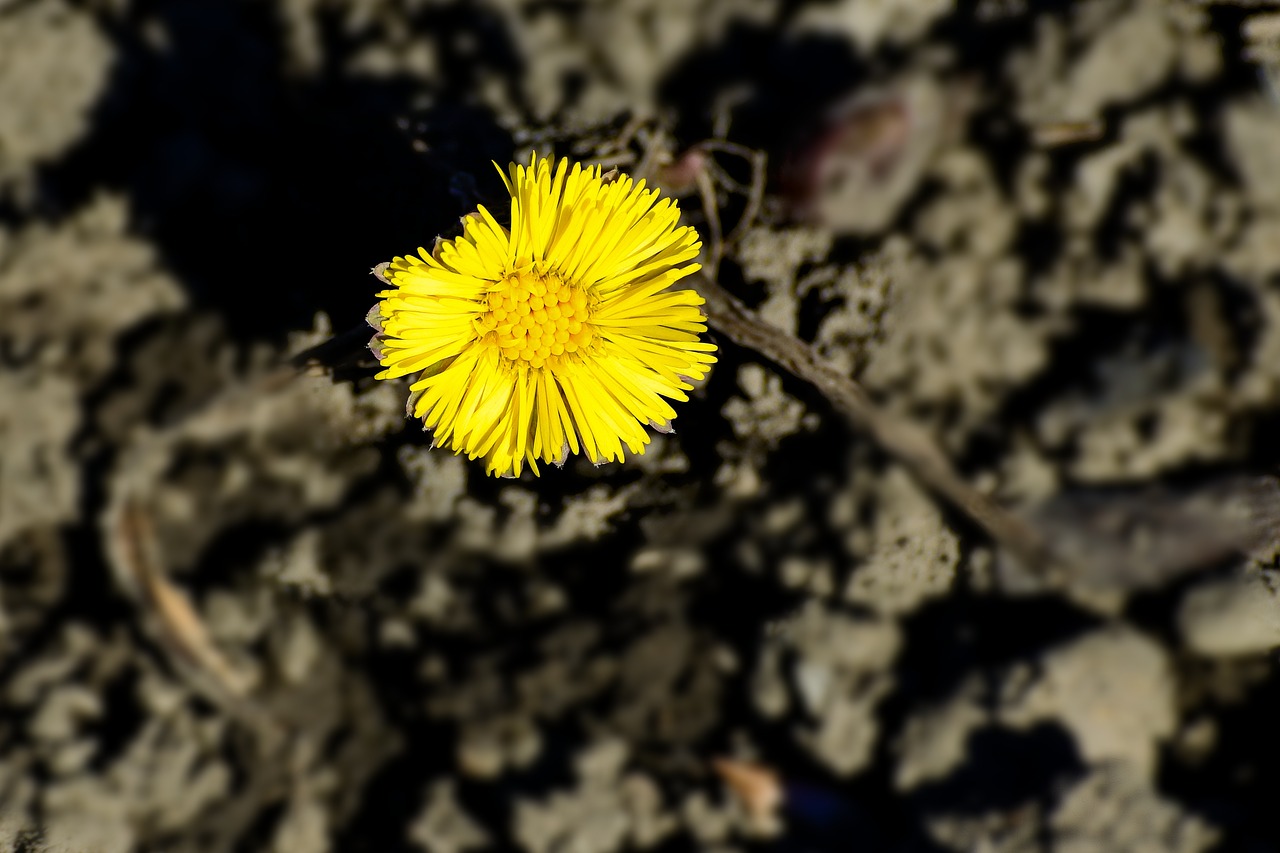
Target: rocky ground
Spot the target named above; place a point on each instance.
(241, 613)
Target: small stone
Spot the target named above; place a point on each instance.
(1225, 617)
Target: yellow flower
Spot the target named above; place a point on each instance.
(560, 335)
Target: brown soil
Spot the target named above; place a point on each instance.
(239, 614)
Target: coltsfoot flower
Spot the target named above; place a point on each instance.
(559, 335)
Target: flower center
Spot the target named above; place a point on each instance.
(537, 317)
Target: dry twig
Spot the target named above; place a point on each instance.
(901, 439)
(1056, 134)
(715, 248)
(183, 631)
(712, 177)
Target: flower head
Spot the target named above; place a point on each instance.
(558, 335)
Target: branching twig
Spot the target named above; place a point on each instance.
(711, 207)
(901, 439)
(754, 191)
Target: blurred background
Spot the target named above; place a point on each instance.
(240, 612)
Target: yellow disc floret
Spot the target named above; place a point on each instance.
(536, 318)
